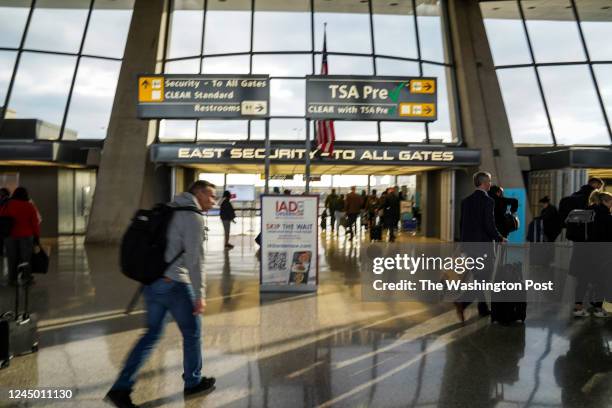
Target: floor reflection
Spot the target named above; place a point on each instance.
(306, 350)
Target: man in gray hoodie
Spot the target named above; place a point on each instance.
(181, 291)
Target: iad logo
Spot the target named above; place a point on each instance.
(289, 208)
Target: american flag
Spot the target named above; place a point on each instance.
(325, 134)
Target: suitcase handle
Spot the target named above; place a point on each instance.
(20, 270)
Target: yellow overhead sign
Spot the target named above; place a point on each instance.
(151, 89)
(417, 109)
(422, 86)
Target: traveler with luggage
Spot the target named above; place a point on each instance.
(180, 288)
(477, 224)
(330, 206)
(352, 207)
(228, 215)
(577, 201)
(391, 211)
(371, 207)
(594, 273)
(24, 234)
(505, 218)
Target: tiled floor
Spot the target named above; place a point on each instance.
(324, 349)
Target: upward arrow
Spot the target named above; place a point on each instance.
(145, 84)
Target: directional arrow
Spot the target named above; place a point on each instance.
(427, 86)
(428, 110)
(258, 108)
(145, 84)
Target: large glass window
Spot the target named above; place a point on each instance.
(394, 30)
(596, 25)
(13, 17)
(524, 106)
(572, 102)
(505, 33)
(7, 62)
(393, 67)
(553, 30)
(42, 93)
(186, 66)
(177, 130)
(345, 65)
(222, 129)
(236, 64)
(44, 78)
(108, 28)
(431, 34)
(228, 27)
(283, 64)
(402, 132)
(92, 98)
(356, 131)
(287, 97)
(348, 26)
(441, 129)
(603, 73)
(186, 15)
(57, 26)
(282, 26)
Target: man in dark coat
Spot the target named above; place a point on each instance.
(477, 224)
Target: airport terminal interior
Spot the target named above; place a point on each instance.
(524, 91)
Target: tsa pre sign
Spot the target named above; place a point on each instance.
(289, 243)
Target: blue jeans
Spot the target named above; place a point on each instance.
(162, 296)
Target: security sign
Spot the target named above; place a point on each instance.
(178, 96)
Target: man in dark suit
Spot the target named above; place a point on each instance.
(478, 225)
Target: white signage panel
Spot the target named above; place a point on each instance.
(289, 243)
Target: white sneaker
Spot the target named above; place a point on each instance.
(581, 313)
(599, 312)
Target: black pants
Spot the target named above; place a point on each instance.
(19, 250)
(332, 215)
(352, 223)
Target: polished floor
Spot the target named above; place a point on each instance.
(328, 349)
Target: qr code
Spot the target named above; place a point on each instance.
(277, 261)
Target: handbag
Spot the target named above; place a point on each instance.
(40, 260)
(511, 222)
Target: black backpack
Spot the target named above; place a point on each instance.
(574, 231)
(144, 243)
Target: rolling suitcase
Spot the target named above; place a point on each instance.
(507, 308)
(376, 233)
(18, 331)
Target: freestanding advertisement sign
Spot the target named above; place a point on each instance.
(289, 243)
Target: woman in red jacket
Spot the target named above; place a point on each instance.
(24, 234)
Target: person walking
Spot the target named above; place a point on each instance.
(181, 291)
(550, 219)
(330, 205)
(352, 208)
(371, 207)
(339, 211)
(25, 233)
(477, 224)
(228, 215)
(594, 274)
(391, 211)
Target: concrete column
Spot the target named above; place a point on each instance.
(126, 178)
(485, 124)
(483, 115)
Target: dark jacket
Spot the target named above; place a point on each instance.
(552, 222)
(353, 203)
(331, 200)
(339, 204)
(227, 212)
(391, 209)
(600, 230)
(477, 218)
(501, 208)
